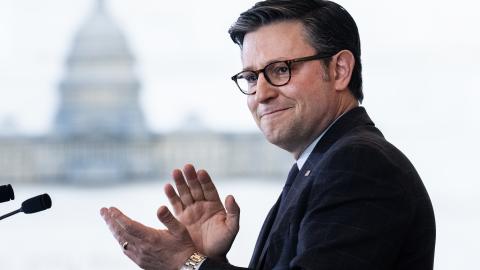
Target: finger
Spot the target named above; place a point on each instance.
(174, 199)
(132, 250)
(117, 228)
(182, 187)
(126, 227)
(192, 179)
(172, 224)
(233, 213)
(209, 189)
(103, 212)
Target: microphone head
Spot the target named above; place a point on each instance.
(6, 193)
(36, 204)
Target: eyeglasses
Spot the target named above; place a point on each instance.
(277, 73)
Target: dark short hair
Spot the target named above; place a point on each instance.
(328, 26)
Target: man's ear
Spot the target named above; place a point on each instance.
(343, 61)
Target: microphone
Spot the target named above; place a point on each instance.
(6, 193)
(32, 205)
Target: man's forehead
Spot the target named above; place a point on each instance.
(276, 41)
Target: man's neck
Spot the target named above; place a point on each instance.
(309, 149)
(340, 112)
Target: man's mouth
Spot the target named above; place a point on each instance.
(272, 112)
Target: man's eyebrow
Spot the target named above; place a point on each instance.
(279, 59)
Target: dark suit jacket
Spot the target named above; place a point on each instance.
(357, 203)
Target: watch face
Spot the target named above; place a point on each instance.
(196, 257)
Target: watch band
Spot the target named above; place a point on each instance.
(194, 261)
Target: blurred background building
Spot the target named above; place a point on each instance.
(100, 135)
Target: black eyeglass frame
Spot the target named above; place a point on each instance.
(287, 62)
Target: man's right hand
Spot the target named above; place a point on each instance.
(197, 205)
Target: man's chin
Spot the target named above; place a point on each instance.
(276, 138)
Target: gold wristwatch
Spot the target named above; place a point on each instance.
(193, 262)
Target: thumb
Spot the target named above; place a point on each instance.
(172, 224)
(233, 213)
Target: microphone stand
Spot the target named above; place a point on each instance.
(11, 213)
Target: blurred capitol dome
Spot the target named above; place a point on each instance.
(100, 136)
(99, 95)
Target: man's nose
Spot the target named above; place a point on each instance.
(265, 90)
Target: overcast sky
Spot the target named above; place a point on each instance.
(419, 59)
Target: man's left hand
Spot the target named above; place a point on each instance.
(150, 248)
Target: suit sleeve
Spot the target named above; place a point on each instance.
(357, 213)
(210, 264)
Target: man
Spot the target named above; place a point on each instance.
(351, 201)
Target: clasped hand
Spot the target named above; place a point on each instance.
(202, 224)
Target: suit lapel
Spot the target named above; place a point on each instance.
(264, 233)
(281, 208)
(348, 121)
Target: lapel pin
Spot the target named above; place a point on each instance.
(307, 173)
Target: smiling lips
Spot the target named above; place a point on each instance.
(271, 112)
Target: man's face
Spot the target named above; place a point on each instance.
(293, 115)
